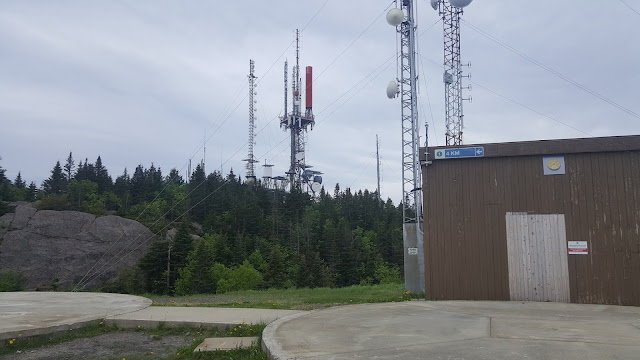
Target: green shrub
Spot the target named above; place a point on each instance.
(129, 281)
(387, 274)
(243, 277)
(11, 280)
(54, 202)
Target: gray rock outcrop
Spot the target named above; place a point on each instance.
(61, 249)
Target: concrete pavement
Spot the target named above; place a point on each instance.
(37, 313)
(458, 330)
(24, 314)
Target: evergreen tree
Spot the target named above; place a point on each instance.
(3, 177)
(5, 188)
(174, 178)
(154, 266)
(32, 192)
(180, 247)
(276, 276)
(102, 177)
(19, 183)
(195, 277)
(121, 188)
(138, 186)
(69, 166)
(86, 171)
(197, 192)
(155, 182)
(57, 182)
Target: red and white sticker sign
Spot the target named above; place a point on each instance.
(578, 248)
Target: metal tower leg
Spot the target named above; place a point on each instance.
(411, 171)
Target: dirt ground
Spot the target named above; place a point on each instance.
(108, 346)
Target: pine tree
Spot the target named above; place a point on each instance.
(180, 248)
(154, 266)
(138, 186)
(32, 192)
(69, 166)
(102, 177)
(57, 182)
(122, 188)
(5, 189)
(3, 177)
(174, 178)
(197, 192)
(276, 276)
(19, 183)
(195, 277)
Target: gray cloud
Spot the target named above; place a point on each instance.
(142, 81)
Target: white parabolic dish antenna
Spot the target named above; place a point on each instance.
(460, 3)
(316, 187)
(395, 17)
(434, 4)
(392, 89)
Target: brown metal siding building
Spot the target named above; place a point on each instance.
(497, 228)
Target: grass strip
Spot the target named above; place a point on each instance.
(295, 299)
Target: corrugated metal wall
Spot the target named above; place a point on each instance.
(466, 201)
(537, 257)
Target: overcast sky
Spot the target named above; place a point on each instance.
(141, 82)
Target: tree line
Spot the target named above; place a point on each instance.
(219, 233)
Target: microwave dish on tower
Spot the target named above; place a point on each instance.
(392, 89)
(459, 3)
(395, 17)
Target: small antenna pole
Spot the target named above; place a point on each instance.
(378, 164)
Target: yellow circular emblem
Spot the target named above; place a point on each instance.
(554, 164)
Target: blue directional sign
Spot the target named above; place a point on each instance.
(459, 153)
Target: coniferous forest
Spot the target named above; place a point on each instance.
(248, 236)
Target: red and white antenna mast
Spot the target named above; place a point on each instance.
(296, 122)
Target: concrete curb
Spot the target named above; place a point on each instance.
(133, 324)
(269, 343)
